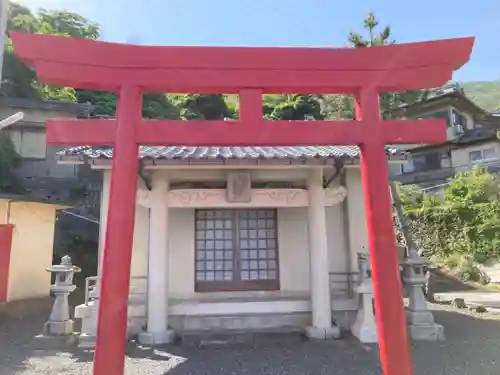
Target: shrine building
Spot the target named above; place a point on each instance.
(224, 235)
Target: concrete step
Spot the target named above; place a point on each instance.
(259, 337)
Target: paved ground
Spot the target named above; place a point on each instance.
(472, 348)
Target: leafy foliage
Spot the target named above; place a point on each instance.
(336, 106)
(294, 107)
(465, 222)
(9, 160)
(67, 23)
(19, 80)
(388, 101)
(203, 106)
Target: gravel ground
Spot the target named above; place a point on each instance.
(472, 348)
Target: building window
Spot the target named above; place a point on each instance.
(445, 159)
(236, 250)
(427, 162)
(481, 155)
(439, 115)
(409, 166)
(396, 169)
(29, 143)
(459, 119)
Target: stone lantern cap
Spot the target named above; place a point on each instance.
(414, 259)
(65, 267)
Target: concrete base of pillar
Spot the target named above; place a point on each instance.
(60, 342)
(421, 326)
(58, 328)
(366, 333)
(433, 332)
(156, 338)
(329, 333)
(86, 341)
(419, 318)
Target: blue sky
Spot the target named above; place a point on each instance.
(314, 23)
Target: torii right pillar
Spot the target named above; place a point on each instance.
(395, 355)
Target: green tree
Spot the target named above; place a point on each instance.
(104, 102)
(392, 100)
(294, 107)
(9, 160)
(461, 228)
(20, 18)
(203, 106)
(159, 106)
(67, 23)
(18, 79)
(336, 106)
(21, 82)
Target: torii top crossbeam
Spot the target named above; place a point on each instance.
(105, 66)
(250, 72)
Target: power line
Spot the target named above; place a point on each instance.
(80, 216)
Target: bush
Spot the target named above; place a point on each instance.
(462, 228)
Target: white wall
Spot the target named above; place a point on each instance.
(358, 237)
(460, 156)
(292, 240)
(139, 266)
(32, 248)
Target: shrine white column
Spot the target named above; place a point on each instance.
(104, 204)
(157, 331)
(322, 327)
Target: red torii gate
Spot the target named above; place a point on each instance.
(131, 70)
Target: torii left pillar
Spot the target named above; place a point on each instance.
(112, 330)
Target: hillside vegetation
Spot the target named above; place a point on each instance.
(460, 229)
(485, 94)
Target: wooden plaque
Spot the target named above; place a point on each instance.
(239, 187)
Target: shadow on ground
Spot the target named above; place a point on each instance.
(472, 348)
(441, 282)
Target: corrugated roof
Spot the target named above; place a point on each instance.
(250, 152)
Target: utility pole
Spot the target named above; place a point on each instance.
(403, 222)
(4, 10)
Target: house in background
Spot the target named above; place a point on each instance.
(40, 174)
(471, 138)
(43, 178)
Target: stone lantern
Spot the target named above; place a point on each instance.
(59, 322)
(365, 328)
(420, 320)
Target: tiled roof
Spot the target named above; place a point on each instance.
(250, 152)
(429, 95)
(48, 105)
(443, 91)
